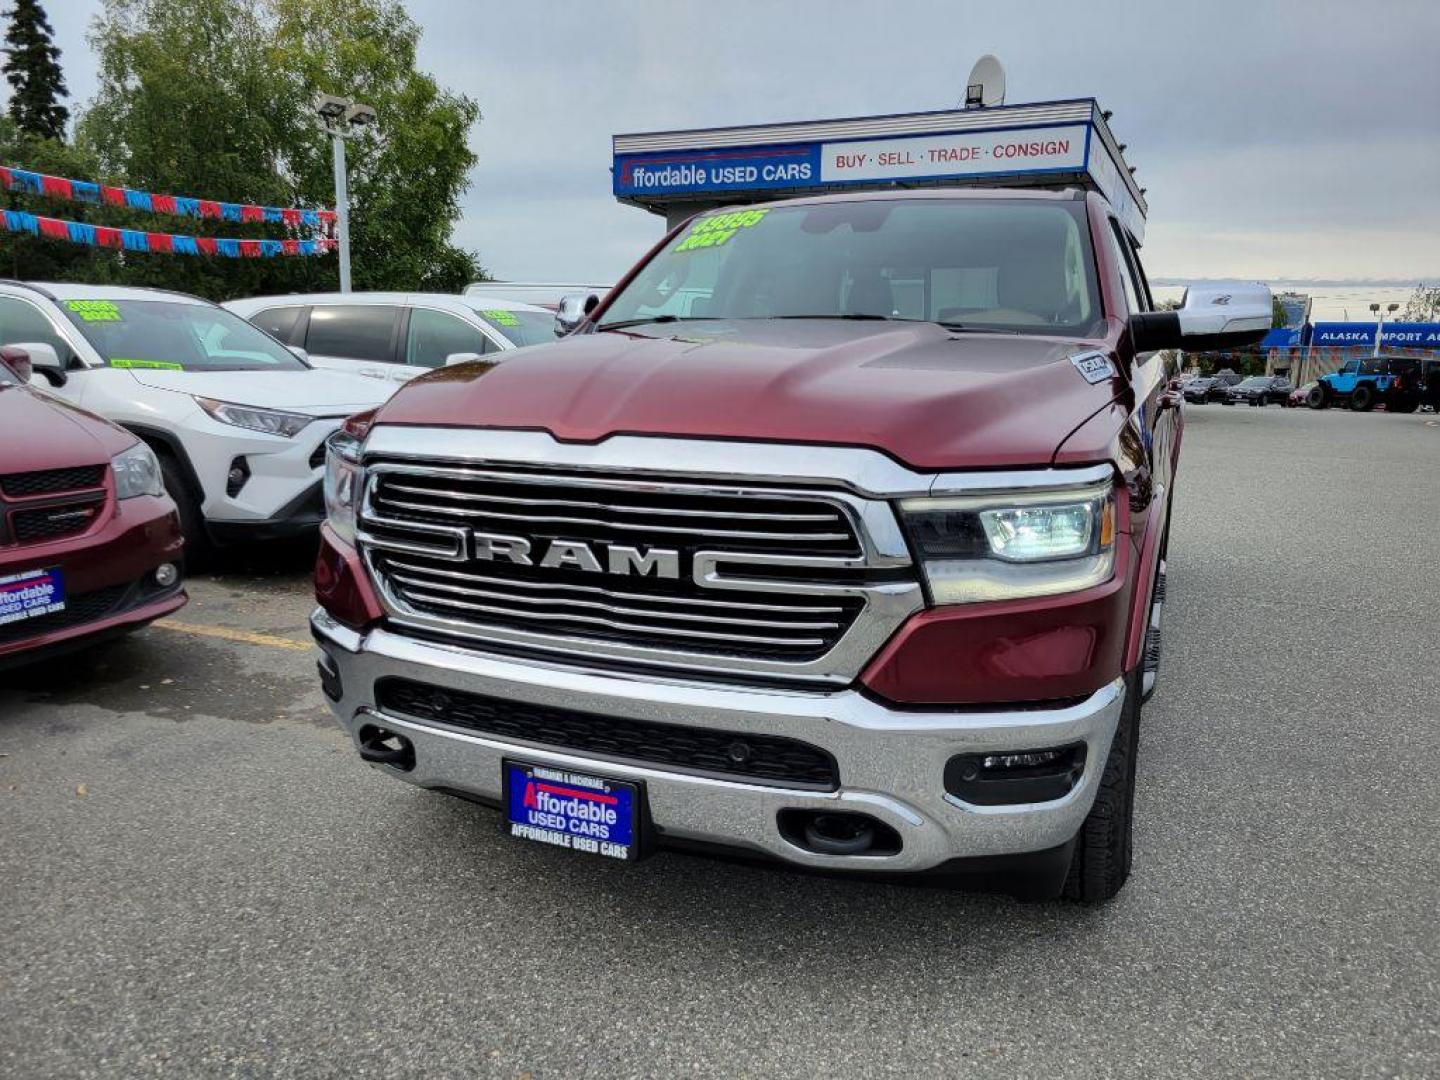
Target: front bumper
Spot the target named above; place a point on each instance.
(109, 580)
(891, 762)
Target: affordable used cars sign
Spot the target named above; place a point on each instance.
(736, 169)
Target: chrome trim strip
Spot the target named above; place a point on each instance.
(746, 468)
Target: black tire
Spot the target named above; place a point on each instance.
(1319, 398)
(1363, 399)
(187, 502)
(1100, 864)
(1406, 403)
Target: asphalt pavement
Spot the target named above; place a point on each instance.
(199, 878)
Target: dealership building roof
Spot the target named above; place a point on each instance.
(1051, 144)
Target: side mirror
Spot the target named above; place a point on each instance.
(573, 310)
(461, 358)
(300, 354)
(43, 360)
(1224, 315)
(18, 361)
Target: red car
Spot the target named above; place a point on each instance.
(89, 542)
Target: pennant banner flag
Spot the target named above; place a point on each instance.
(79, 232)
(24, 181)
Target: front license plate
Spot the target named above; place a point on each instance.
(572, 810)
(30, 594)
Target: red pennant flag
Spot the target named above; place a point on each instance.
(112, 196)
(54, 228)
(209, 208)
(107, 237)
(206, 244)
(160, 241)
(163, 204)
(57, 187)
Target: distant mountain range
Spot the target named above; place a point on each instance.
(1309, 283)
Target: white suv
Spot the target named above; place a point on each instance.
(238, 421)
(396, 336)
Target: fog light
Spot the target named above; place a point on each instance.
(166, 574)
(1011, 777)
(1021, 761)
(237, 477)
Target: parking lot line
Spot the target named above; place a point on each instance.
(249, 637)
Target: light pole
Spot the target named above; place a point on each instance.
(1380, 324)
(343, 119)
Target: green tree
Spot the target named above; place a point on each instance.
(32, 67)
(39, 258)
(210, 98)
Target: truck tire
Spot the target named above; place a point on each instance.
(1319, 397)
(1405, 403)
(1363, 399)
(187, 502)
(1101, 861)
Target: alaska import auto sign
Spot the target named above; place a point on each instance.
(1396, 335)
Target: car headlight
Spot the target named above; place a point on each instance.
(137, 472)
(1009, 545)
(342, 482)
(266, 421)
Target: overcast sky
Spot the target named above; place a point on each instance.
(1278, 141)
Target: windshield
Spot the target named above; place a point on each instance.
(1015, 265)
(170, 336)
(1256, 382)
(520, 327)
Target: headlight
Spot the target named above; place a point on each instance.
(266, 421)
(137, 472)
(1013, 544)
(342, 482)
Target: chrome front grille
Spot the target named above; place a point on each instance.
(676, 571)
(537, 504)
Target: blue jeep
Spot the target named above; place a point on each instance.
(1370, 382)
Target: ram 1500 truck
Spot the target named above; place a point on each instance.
(835, 534)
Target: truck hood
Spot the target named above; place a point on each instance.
(927, 396)
(313, 392)
(42, 432)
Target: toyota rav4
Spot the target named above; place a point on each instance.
(836, 534)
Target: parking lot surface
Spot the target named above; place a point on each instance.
(199, 878)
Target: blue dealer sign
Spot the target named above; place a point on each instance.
(739, 169)
(1397, 335)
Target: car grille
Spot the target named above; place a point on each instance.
(51, 481)
(724, 754)
(33, 525)
(50, 504)
(414, 521)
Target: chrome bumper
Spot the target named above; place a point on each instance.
(890, 762)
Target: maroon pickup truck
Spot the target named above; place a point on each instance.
(836, 535)
(89, 542)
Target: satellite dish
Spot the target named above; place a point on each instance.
(986, 85)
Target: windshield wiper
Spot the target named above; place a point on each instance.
(962, 328)
(623, 323)
(854, 316)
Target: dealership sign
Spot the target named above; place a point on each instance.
(1065, 150)
(1396, 335)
